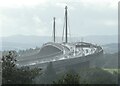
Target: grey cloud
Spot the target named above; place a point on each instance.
(83, 20)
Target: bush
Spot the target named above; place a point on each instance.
(97, 76)
(13, 75)
(69, 78)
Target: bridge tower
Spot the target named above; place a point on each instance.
(66, 36)
(54, 29)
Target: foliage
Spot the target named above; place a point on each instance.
(11, 74)
(88, 76)
(97, 76)
(8, 67)
(69, 78)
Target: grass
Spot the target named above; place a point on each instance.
(112, 70)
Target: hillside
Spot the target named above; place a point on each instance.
(111, 48)
(20, 42)
(107, 61)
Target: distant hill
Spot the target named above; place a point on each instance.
(111, 48)
(23, 42)
(107, 61)
(99, 39)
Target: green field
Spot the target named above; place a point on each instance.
(111, 70)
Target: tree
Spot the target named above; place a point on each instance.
(8, 67)
(97, 76)
(11, 74)
(69, 78)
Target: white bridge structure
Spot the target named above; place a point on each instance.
(54, 52)
(65, 53)
(50, 52)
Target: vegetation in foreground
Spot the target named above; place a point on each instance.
(11, 74)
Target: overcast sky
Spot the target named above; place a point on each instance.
(35, 17)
